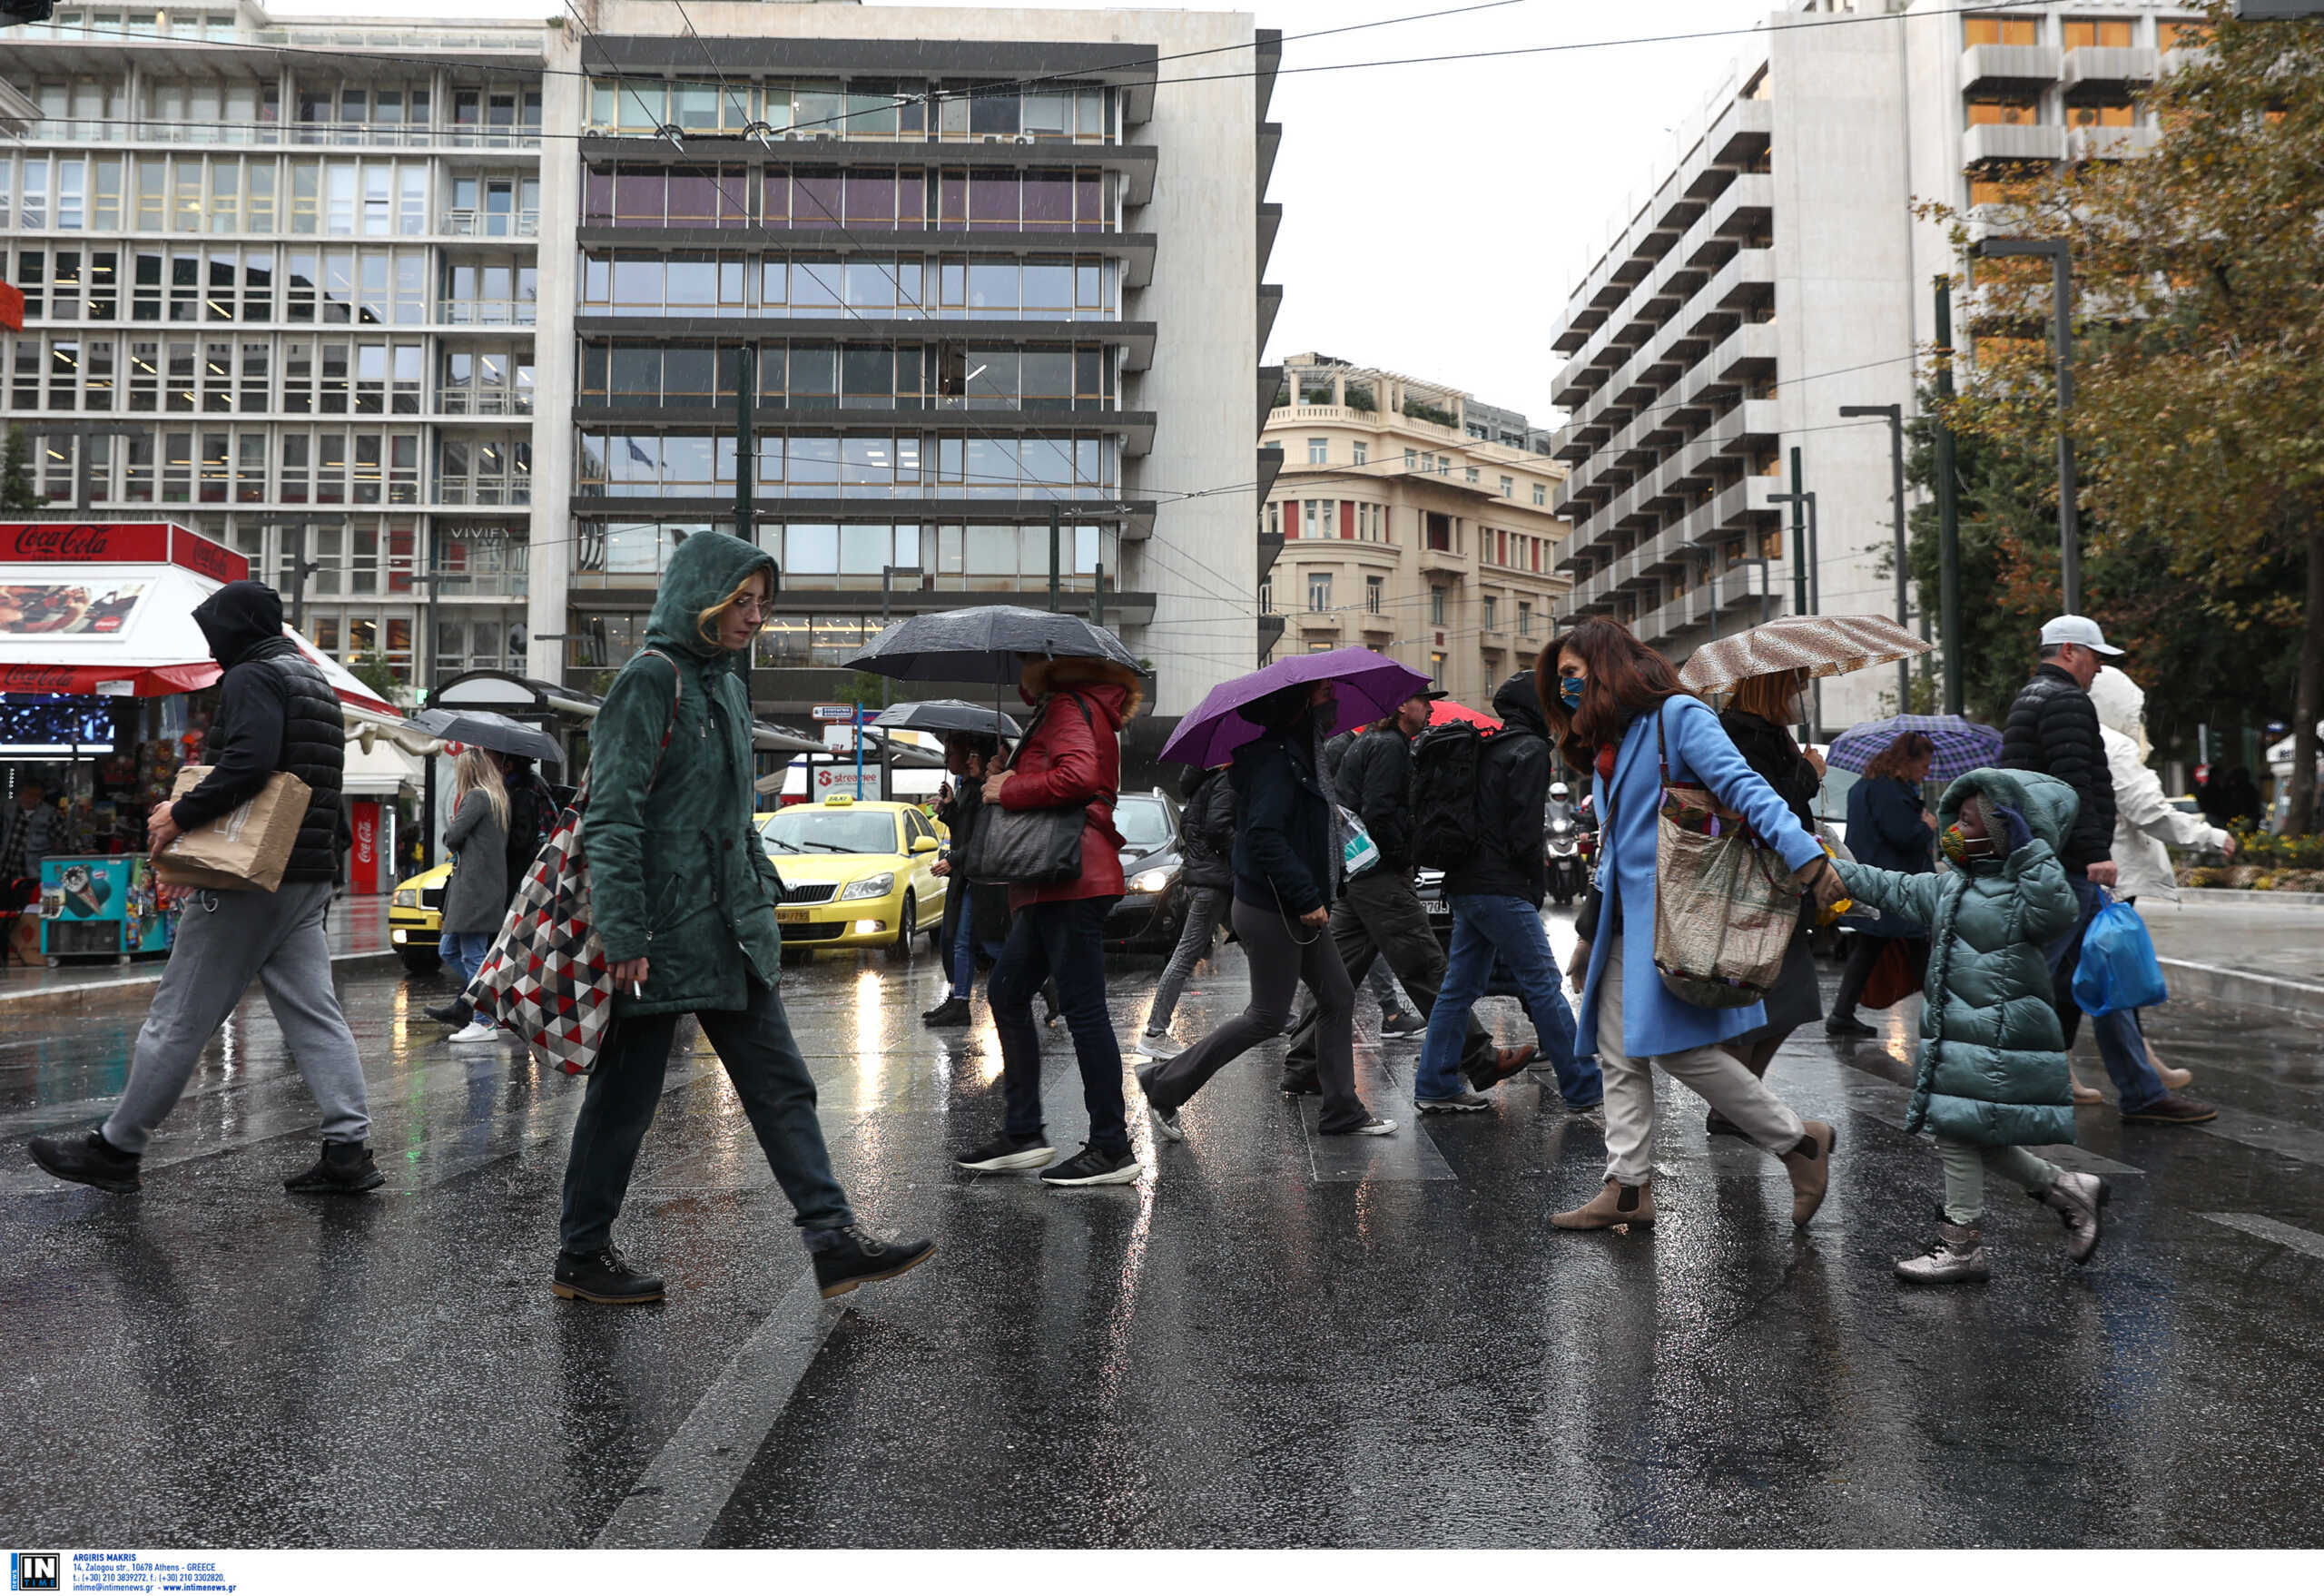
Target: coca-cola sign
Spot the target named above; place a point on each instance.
(38, 678)
(85, 541)
(199, 555)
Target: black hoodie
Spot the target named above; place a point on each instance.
(1512, 786)
(276, 712)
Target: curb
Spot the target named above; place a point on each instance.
(65, 1000)
(2252, 899)
(2219, 985)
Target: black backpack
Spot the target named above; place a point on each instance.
(1447, 761)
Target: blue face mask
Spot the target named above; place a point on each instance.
(1570, 691)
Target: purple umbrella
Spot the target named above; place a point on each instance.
(1368, 686)
(1962, 745)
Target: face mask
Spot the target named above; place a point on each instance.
(1570, 691)
(1970, 853)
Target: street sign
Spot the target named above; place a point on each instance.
(843, 712)
(839, 736)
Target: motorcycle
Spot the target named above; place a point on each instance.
(1567, 846)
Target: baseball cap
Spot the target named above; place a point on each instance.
(2079, 629)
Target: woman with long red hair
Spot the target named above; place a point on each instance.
(1618, 710)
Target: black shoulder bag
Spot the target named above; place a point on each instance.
(1029, 847)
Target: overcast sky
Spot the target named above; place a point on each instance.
(1434, 215)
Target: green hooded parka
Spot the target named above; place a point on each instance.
(1992, 1065)
(678, 874)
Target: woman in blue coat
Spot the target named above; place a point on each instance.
(1889, 828)
(1618, 710)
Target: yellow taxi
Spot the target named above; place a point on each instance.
(861, 873)
(416, 919)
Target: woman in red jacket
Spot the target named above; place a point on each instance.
(1072, 756)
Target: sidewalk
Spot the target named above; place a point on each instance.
(358, 928)
(2242, 950)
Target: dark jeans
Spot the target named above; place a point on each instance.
(1280, 954)
(1059, 940)
(2120, 1043)
(1484, 925)
(625, 1087)
(1381, 918)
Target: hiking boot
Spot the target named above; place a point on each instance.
(1847, 1025)
(456, 1013)
(1458, 1103)
(1809, 1164)
(2079, 1201)
(857, 1255)
(1403, 1024)
(1090, 1167)
(1499, 1066)
(87, 1160)
(951, 1012)
(603, 1276)
(345, 1167)
(1005, 1152)
(1956, 1257)
(1615, 1203)
(2171, 1109)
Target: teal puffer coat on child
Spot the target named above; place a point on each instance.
(1992, 1065)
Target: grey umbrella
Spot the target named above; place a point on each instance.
(950, 715)
(989, 643)
(484, 729)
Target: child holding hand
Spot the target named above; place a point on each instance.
(1992, 1080)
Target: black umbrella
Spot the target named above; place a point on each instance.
(482, 728)
(950, 715)
(989, 643)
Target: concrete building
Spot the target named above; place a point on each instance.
(975, 272)
(1405, 523)
(1775, 272)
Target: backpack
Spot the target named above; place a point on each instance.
(1447, 761)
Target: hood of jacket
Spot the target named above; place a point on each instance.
(2048, 803)
(237, 618)
(1109, 699)
(1042, 677)
(2119, 701)
(1518, 702)
(704, 569)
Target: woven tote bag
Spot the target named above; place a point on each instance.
(1725, 907)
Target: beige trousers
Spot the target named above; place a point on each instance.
(1713, 1074)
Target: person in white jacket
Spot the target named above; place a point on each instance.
(2146, 822)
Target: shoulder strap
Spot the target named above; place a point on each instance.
(677, 693)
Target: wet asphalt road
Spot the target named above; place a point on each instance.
(1274, 1340)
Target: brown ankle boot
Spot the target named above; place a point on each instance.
(1810, 1166)
(1615, 1203)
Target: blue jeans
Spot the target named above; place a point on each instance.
(464, 952)
(1484, 926)
(1063, 940)
(2120, 1041)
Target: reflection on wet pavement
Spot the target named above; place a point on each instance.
(1275, 1338)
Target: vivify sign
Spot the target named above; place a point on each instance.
(120, 543)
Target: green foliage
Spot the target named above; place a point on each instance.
(870, 689)
(372, 668)
(1422, 410)
(16, 491)
(2266, 850)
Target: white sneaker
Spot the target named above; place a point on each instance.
(1160, 1044)
(476, 1031)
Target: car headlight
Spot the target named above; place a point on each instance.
(870, 886)
(405, 898)
(1153, 881)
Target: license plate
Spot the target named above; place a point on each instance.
(791, 917)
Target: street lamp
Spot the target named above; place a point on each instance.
(2061, 308)
(1895, 416)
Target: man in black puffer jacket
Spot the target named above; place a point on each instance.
(2052, 728)
(276, 712)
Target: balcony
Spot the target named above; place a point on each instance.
(1731, 510)
(485, 312)
(1448, 562)
(466, 222)
(2109, 143)
(1989, 67)
(2112, 68)
(1990, 142)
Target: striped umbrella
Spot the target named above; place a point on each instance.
(1822, 646)
(1962, 745)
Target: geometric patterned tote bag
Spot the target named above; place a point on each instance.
(546, 977)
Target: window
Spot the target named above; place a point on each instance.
(1435, 606)
(2102, 116)
(1524, 619)
(1469, 475)
(2103, 36)
(1267, 599)
(1319, 451)
(2003, 29)
(1360, 452)
(1274, 518)
(2182, 35)
(1374, 587)
(1492, 615)
(1989, 111)
(1410, 460)
(1540, 493)
(1319, 590)
(1436, 667)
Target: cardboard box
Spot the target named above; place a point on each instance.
(244, 849)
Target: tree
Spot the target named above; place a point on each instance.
(870, 689)
(372, 668)
(2199, 364)
(16, 491)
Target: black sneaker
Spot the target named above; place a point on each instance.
(603, 1277)
(1718, 1124)
(1005, 1152)
(1091, 1167)
(345, 1167)
(1403, 1024)
(1847, 1025)
(456, 1013)
(1300, 1086)
(951, 1012)
(862, 1255)
(88, 1160)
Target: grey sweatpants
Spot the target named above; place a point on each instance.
(224, 939)
(1966, 1164)
(1205, 912)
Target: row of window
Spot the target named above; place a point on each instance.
(1320, 602)
(877, 466)
(354, 198)
(910, 287)
(1354, 520)
(289, 466)
(295, 376)
(855, 109)
(243, 112)
(361, 554)
(2020, 111)
(821, 376)
(870, 197)
(946, 557)
(2084, 32)
(1319, 453)
(365, 287)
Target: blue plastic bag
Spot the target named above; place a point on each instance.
(2119, 969)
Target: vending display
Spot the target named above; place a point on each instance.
(102, 905)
